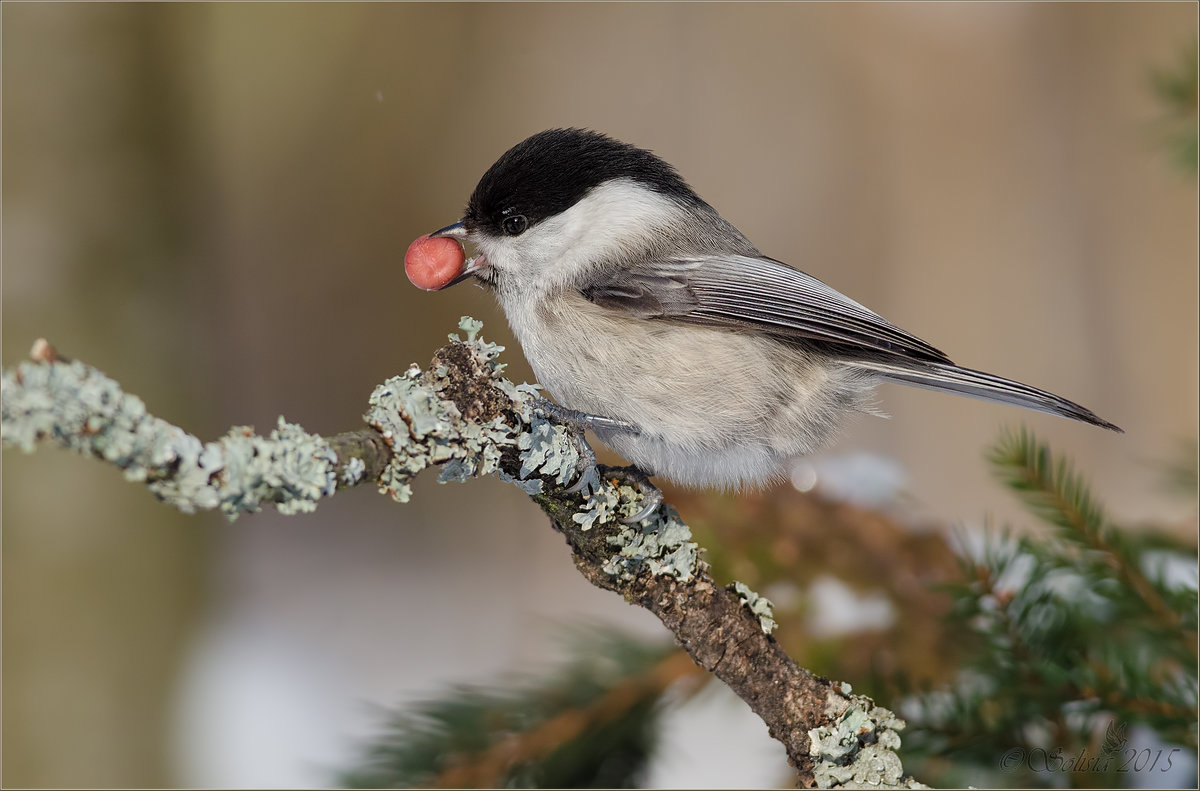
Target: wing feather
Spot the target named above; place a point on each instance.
(760, 293)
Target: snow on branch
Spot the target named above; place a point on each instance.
(463, 416)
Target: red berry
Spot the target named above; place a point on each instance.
(432, 264)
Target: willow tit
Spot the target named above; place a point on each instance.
(634, 300)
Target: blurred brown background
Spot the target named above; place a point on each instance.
(211, 203)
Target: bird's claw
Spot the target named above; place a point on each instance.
(588, 482)
(589, 476)
(652, 500)
(652, 496)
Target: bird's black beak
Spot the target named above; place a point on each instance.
(456, 231)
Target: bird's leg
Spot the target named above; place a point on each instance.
(582, 420)
(589, 478)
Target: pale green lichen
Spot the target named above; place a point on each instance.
(290, 468)
(606, 503)
(660, 543)
(857, 748)
(470, 326)
(387, 406)
(353, 471)
(759, 605)
(83, 410)
(522, 394)
(484, 349)
(603, 505)
(550, 450)
(425, 429)
(531, 487)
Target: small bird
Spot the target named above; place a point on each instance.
(688, 351)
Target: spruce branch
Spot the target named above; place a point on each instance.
(488, 768)
(1068, 633)
(1053, 489)
(462, 416)
(590, 722)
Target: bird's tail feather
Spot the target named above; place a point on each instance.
(977, 384)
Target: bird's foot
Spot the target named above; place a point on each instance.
(589, 476)
(652, 496)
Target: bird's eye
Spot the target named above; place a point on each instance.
(515, 225)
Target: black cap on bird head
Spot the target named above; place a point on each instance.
(549, 172)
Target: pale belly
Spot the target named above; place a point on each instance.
(714, 407)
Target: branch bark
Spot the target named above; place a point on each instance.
(462, 416)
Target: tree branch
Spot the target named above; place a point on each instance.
(464, 417)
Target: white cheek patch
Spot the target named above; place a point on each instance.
(618, 216)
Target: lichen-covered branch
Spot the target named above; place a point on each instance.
(464, 417)
(79, 408)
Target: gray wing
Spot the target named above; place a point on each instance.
(759, 293)
(771, 297)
